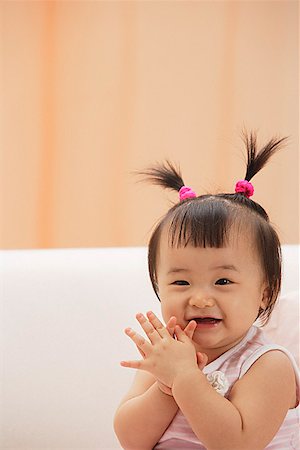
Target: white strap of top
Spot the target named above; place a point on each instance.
(264, 349)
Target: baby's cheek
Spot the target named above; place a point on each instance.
(165, 315)
(166, 311)
(169, 310)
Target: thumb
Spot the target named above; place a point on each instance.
(202, 359)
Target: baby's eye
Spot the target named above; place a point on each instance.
(180, 283)
(223, 281)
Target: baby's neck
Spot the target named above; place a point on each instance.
(215, 353)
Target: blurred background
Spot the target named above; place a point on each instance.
(92, 91)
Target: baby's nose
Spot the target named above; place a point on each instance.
(202, 301)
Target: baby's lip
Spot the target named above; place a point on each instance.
(204, 317)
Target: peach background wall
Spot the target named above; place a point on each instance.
(94, 90)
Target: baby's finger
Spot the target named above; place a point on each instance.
(171, 325)
(151, 331)
(180, 334)
(156, 323)
(141, 353)
(202, 359)
(139, 341)
(190, 329)
(131, 364)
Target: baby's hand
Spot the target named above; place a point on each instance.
(189, 331)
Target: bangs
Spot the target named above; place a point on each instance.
(202, 223)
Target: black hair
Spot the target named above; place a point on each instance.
(205, 221)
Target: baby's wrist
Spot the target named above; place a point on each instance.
(183, 377)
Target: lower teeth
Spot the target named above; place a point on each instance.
(206, 320)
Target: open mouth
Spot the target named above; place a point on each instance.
(207, 320)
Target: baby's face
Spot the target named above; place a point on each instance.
(222, 288)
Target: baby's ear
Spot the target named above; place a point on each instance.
(265, 297)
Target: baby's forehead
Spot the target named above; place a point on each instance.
(238, 248)
(235, 235)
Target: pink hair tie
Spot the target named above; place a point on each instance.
(186, 192)
(244, 187)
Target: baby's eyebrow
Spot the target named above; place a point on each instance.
(176, 270)
(225, 267)
(221, 266)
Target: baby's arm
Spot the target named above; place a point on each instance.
(149, 407)
(146, 411)
(144, 414)
(251, 416)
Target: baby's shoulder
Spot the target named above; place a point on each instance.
(265, 370)
(267, 355)
(272, 361)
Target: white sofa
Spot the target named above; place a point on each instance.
(63, 313)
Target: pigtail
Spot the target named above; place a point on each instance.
(257, 160)
(165, 175)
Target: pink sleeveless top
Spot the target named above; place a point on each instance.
(234, 364)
